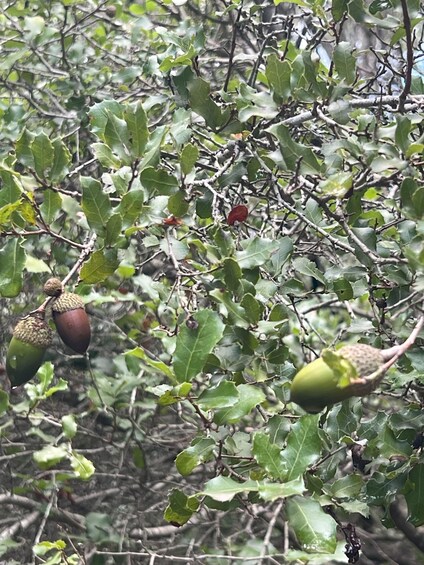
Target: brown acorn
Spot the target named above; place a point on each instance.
(72, 321)
(31, 337)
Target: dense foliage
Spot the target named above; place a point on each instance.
(231, 187)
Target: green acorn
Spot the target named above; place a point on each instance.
(72, 322)
(31, 337)
(316, 386)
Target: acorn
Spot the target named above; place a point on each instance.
(31, 337)
(316, 385)
(72, 321)
(53, 287)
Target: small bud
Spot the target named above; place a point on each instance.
(53, 287)
(111, 11)
(381, 303)
(192, 324)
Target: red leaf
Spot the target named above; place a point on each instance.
(172, 221)
(238, 214)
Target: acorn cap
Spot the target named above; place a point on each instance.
(34, 331)
(365, 358)
(53, 287)
(67, 301)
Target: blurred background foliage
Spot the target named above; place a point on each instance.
(234, 186)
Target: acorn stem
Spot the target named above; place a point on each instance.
(39, 313)
(389, 353)
(42, 308)
(392, 354)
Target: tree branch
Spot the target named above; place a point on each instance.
(410, 103)
(70, 518)
(21, 525)
(400, 519)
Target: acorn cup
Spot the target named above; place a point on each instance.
(31, 337)
(316, 385)
(72, 321)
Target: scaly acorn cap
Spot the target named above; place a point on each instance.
(365, 358)
(31, 337)
(72, 322)
(67, 301)
(316, 385)
(53, 287)
(33, 330)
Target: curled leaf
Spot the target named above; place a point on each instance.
(238, 214)
(172, 221)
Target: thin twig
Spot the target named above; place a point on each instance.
(47, 512)
(269, 530)
(409, 55)
(205, 556)
(233, 47)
